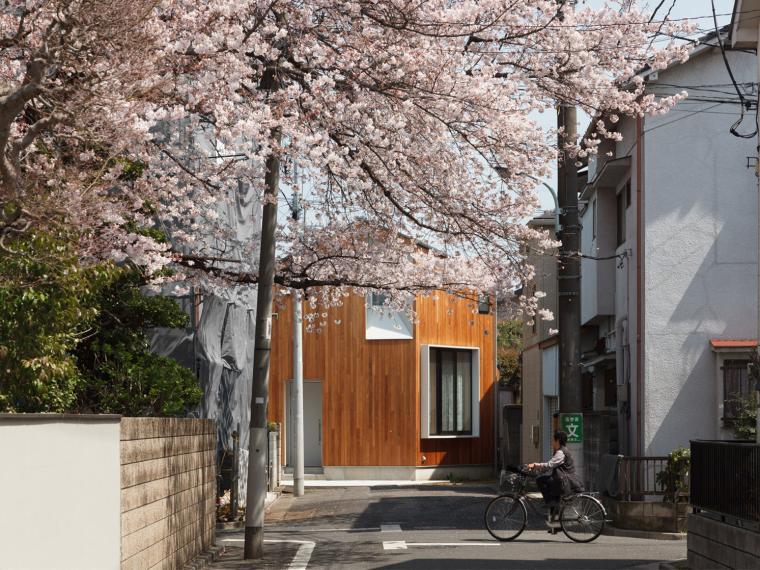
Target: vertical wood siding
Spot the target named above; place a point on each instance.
(450, 320)
(370, 388)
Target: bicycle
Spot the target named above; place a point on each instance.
(581, 515)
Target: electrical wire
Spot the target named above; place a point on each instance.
(662, 24)
(734, 128)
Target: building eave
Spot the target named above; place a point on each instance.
(733, 344)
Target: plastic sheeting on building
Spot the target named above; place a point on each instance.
(221, 354)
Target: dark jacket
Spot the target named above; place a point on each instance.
(564, 479)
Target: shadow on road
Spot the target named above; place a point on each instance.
(506, 564)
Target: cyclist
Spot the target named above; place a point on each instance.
(562, 480)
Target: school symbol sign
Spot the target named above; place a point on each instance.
(572, 425)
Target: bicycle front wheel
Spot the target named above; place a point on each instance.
(582, 518)
(506, 517)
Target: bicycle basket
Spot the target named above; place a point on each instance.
(509, 482)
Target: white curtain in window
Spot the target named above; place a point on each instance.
(447, 391)
(433, 397)
(464, 391)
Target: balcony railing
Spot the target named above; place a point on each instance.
(725, 478)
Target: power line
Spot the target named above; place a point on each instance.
(733, 130)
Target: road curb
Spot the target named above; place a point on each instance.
(649, 534)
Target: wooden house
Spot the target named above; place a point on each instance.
(385, 398)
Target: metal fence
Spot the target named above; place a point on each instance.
(637, 477)
(725, 478)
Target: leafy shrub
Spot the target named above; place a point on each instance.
(673, 478)
(73, 337)
(48, 304)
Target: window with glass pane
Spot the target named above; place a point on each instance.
(450, 391)
(736, 386)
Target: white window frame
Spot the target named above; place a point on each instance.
(425, 392)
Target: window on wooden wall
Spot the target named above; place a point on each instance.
(450, 391)
(484, 303)
(385, 323)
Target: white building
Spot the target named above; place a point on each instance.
(671, 298)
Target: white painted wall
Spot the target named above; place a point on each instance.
(59, 493)
(700, 251)
(550, 370)
(597, 290)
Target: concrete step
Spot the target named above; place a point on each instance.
(309, 473)
(288, 478)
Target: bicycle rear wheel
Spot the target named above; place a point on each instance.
(582, 518)
(506, 517)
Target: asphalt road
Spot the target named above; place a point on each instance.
(427, 527)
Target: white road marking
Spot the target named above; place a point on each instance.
(404, 545)
(300, 560)
(453, 544)
(309, 529)
(390, 528)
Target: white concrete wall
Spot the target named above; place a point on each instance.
(700, 249)
(550, 370)
(588, 266)
(59, 492)
(598, 276)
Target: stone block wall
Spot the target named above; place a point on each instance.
(168, 494)
(657, 516)
(716, 545)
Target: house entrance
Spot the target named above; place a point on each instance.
(312, 423)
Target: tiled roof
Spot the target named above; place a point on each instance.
(733, 342)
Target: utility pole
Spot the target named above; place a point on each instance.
(298, 475)
(257, 447)
(569, 272)
(757, 172)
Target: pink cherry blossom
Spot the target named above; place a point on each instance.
(406, 126)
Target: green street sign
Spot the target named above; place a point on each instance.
(572, 425)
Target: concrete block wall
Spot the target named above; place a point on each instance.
(716, 545)
(657, 516)
(168, 493)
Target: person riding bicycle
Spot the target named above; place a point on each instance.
(562, 480)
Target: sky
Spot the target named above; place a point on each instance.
(700, 11)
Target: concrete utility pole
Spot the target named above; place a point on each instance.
(298, 475)
(569, 271)
(298, 394)
(757, 388)
(257, 447)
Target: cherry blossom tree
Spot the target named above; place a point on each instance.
(408, 123)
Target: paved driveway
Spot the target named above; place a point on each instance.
(426, 527)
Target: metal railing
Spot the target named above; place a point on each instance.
(637, 477)
(725, 478)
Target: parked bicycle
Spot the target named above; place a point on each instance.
(581, 516)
